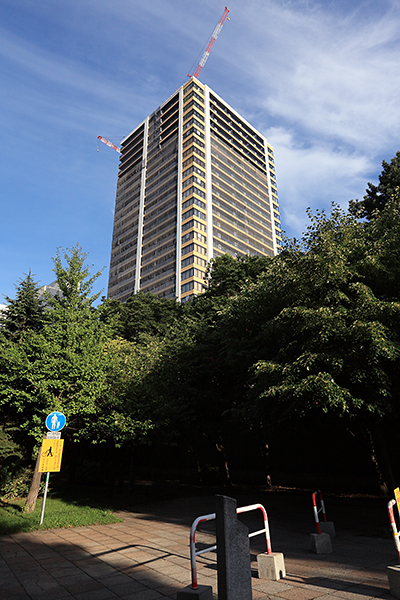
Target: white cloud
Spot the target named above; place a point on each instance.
(319, 78)
(323, 85)
(314, 177)
(323, 73)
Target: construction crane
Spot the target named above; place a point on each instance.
(211, 43)
(198, 70)
(110, 144)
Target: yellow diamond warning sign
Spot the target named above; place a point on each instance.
(50, 459)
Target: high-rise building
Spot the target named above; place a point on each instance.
(195, 181)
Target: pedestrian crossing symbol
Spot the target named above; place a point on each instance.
(50, 458)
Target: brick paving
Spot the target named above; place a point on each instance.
(146, 557)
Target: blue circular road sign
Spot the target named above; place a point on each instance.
(55, 421)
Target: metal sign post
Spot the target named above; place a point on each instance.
(46, 487)
(52, 448)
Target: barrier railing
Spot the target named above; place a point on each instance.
(394, 527)
(212, 516)
(316, 510)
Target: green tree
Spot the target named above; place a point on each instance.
(377, 196)
(63, 365)
(25, 311)
(226, 274)
(141, 314)
(383, 237)
(315, 336)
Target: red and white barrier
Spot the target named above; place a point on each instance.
(394, 527)
(316, 510)
(193, 552)
(212, 516)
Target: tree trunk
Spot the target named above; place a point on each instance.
(132, 467)
(384, 458)
(383, 486)
(30, 503)
(221, 448)
(264, 450)
(196, 460)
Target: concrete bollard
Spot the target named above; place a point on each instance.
(328, 527)
(321, 543)
(271, 566)
(393, 574)
(233, 553)
(202, 592)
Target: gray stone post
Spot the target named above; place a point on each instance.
(233, 553)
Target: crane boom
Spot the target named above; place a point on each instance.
(110, 144)
(211, 43)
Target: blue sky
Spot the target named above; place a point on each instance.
(319, 79)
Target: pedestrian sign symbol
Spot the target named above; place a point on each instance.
(50, 458)
(55, 421)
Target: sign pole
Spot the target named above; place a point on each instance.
(52, 447)
(44, 497)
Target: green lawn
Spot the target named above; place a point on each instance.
(69, 505)
(58, 513)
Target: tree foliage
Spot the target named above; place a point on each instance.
(312, 331)
(61, 366)
(141, 314)
(25, 311)
(226, 274)
(377, 196)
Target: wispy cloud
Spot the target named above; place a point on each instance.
(324, 73)
(319, 78)
(323, 84)
(314, 176)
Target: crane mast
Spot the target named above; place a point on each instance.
(211, 43)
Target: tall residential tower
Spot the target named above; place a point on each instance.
(195, 181)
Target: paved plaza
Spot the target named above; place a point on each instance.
(146, 557)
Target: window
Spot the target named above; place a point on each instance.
(193, 272)
(195, 201)
(193, 248)
(193, 95)
(193, 159)
(192, 285)
(193, 122)
(194, 224)
(193, 169)
(194, 149)
(193, 113)
(192, 86)
(193, 190)
(194, 179)
(195, 212)
(194, 235)
(190, 260)
(193, 130)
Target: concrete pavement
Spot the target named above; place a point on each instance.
(146, 557)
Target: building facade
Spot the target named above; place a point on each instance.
(195, 181)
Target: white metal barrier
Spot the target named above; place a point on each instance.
(212, 516)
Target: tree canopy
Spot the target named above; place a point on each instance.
(312, 333)
(60, 366)
(25, 311)
(377, 196)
